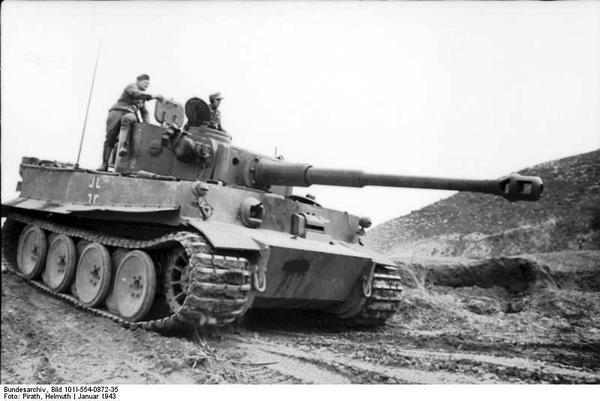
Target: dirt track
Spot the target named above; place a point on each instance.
(441, 335)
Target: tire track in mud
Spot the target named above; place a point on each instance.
(323, 366)
(64, 344)
(387, 363)
(520, 367)
(286, 368)
(47, 341)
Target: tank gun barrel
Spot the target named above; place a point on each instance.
(513, 187)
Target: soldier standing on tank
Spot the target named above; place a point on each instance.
(124, 113)
(215, 113)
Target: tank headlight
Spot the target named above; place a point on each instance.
(200, 189)
(364, 222)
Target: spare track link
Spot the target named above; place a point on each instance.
(205, 295)
(384, 300)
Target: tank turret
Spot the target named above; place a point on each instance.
(201, 153)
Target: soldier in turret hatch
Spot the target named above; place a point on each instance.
(123, 114)
(215, 113)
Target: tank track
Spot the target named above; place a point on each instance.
(384, 300)
(216, 294)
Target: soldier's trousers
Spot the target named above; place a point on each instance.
(117, 120)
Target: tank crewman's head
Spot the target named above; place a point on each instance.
(143, 81)
(215, 99)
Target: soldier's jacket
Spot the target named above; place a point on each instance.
(215, 119)
(131, 100)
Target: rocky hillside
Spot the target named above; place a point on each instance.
(475, 225)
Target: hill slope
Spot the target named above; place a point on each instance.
(476, 225)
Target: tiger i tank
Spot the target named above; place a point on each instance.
(191, 230)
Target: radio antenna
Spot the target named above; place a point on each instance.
(88, 106)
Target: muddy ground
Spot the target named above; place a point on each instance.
(534, 319)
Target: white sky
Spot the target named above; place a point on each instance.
(473, 90)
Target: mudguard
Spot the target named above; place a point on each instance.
(224, 236)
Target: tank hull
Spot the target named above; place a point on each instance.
(319, 269)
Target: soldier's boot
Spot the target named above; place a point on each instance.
(123, 142)
(126, 122)
(112, 157)
(105, 157)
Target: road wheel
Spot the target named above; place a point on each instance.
(80, 247)
(31, 251)
(135, 285)
(61, 263)
(111, 299)
(92, 280)
(51, 237)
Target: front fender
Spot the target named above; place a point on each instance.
(223, 235)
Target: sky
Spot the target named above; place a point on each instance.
(472, 90)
